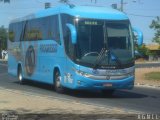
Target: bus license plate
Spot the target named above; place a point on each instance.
(107, 85)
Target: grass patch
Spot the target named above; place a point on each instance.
(153, 76)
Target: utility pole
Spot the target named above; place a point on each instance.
(47, 5)
(94, 1)
(122, 5)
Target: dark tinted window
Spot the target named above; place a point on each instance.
(11, 33)
(69, 47)
(53, 28)
(15, 31)
(33, 31)
(46, 28)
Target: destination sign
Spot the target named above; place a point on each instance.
(91, 22)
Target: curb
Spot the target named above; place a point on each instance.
(147, 86)
(146, 62)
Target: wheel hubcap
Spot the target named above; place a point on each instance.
(20, 76)
(58, 84)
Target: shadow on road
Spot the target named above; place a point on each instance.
(120, 94)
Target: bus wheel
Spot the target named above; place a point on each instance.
(57, 82)
(108, 92)
(20, 75)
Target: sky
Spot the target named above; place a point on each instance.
(140, 12)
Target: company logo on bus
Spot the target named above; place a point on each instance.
(30, 61)
(48, 48)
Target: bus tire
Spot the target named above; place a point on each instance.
(57, 82)
(20, 75)
(108, 92)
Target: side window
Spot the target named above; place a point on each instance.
(33, 30)
(15, 30)
(25, 37)
(53, 28)
(56, 29)
(18, 29)
(11, 33)
(46, 28)
(69, 47)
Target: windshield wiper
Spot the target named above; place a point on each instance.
(115, 58)
(99, 58)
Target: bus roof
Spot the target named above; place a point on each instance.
(93, 12)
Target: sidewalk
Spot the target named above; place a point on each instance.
(25, 102)
(140, 77)
(144, 62)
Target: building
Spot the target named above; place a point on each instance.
(154, 54)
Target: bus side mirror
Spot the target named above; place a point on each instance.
(139, 36)
(72, 28)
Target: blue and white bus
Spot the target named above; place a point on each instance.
(78, 47)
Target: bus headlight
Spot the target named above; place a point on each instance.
(81, 73)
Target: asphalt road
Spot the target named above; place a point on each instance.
(146, 100)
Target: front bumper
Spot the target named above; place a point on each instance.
(81, 82)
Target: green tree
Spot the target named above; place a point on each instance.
(143, 50)
(156, 26)
(3, 38)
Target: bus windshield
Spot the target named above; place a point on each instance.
(114, 36)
